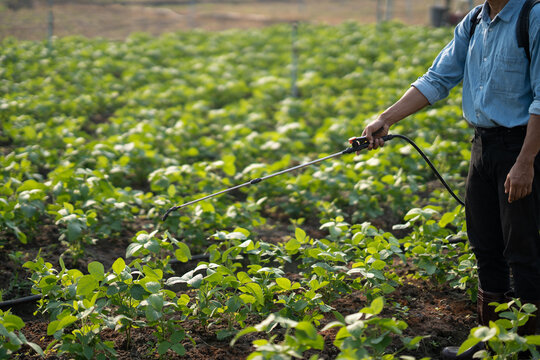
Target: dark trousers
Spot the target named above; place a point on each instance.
(504, 237)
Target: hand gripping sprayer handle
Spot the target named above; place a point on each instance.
(360, 143)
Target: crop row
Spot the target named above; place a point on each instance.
(245, 278)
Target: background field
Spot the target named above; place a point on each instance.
(117, 19)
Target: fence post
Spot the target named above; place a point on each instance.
(50, 27)
(379, 11)
(409, 9)
(294, 56)
(191, 17)
(389, 10)
(301, 10)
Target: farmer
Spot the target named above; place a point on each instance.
(501, 101)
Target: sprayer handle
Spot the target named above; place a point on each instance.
(359, 143)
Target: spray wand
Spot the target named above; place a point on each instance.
(357, 144)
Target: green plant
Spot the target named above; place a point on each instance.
(292, 346)
(74, 231)
(502, 335)
(76, 306)
(364, 335)
(11, 337)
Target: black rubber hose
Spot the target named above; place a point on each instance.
(461, 202)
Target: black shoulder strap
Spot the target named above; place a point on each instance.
(523, 26)
(475, 19)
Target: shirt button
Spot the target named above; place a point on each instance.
(484, 59)
(481, 87)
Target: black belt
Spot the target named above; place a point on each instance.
(501, 130)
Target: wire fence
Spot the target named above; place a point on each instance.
(41, 19)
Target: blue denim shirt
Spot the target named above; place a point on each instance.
(500, 87)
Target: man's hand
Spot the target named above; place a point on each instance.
(374, 131)
(519, 181)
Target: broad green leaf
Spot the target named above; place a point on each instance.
(132, 249)
(12, 322)
(300, 305)
(97, 270)
(300, 235)
(446, 219)
(387, 288)
(183, 300)
(118, 266)
(156, 300)
(51, 328)
(292, 245)
(529, 308)
(284, 283)
(86, 285)
(243, 277)
(171, 190)
(36, 348)
(533, 339)
(152, 286)
(248, 299)
(163, 347)
(388, 179)
(378, 264)
(196, 281)
(377, 305)
(138, 292)
(418, 250)
(182, 254)
(469, 343)
(88, 352)
(66, 321)
(151, 314)
(177, 336)
(152, 273)
(485, 333)
(308, 329)
(74, 230)
(256, 290)
(179, 349)
(228, 166)
(31, 185)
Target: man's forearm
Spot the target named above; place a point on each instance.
(412, 101)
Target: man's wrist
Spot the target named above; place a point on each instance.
(526, 158)
(386, 118)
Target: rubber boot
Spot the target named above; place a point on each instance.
(486, 314)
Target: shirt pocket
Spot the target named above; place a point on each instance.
(508, 75)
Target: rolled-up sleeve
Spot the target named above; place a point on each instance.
(534, 40)
(448, 68)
